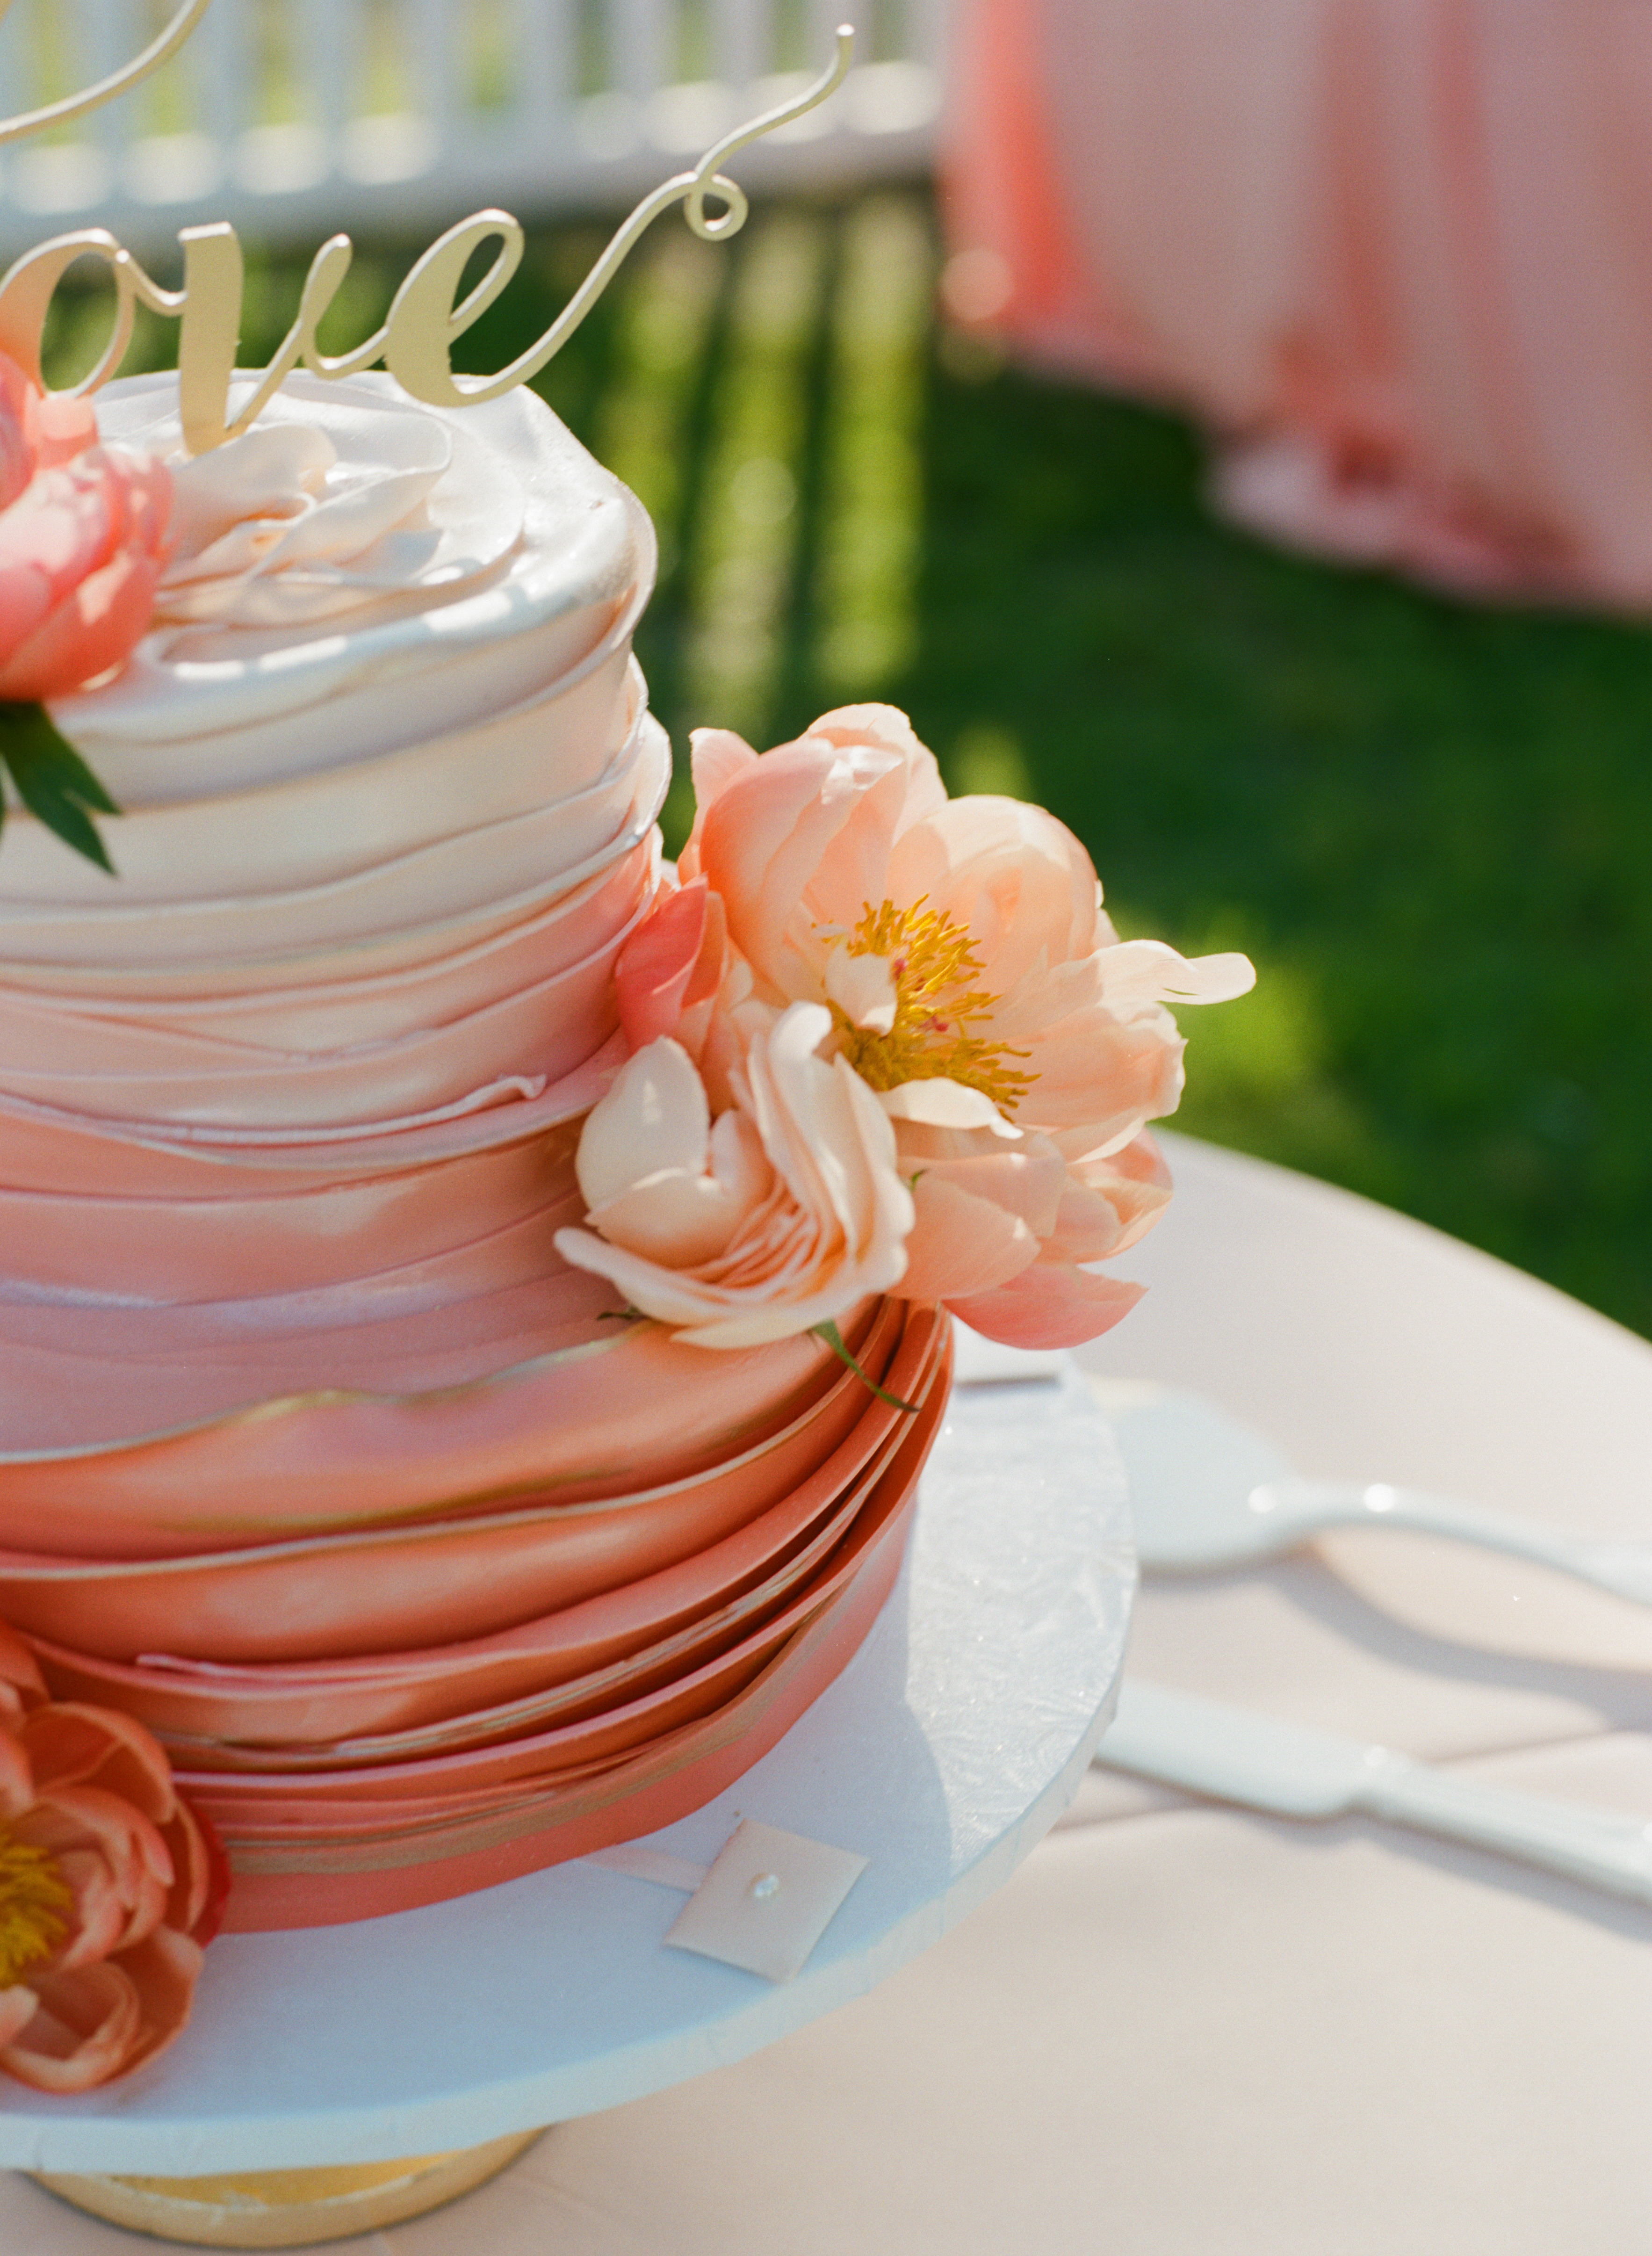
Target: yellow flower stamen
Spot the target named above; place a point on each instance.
(932, 963)
(35, 1902)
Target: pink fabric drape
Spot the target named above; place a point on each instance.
(1398, 252)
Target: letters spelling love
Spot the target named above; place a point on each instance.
(415, 343)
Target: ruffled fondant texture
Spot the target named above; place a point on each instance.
(425, 1561)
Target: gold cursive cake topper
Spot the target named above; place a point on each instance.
(216, 402)
(426, 315)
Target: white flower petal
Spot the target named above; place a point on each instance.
(654, 1119)
(738, 1162)
(1142, 972)
(863, 989)
(679, 1219)
(941, 1104)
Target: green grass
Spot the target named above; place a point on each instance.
(1429, 824)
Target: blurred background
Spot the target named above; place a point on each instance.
(1178, 422)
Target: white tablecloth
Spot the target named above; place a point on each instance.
(1187, 2029)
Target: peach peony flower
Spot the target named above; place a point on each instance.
(973, 982)
(109, 1888)
(82, 531)
(777, 1216)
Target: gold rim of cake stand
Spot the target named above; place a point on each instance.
(285, 2209)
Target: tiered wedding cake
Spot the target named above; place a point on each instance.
(425, 1563)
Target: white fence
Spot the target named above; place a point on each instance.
(291, 116)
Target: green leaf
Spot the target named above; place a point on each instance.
(53, 781)
(834, 1338)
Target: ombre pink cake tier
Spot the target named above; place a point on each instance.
(426, 1562)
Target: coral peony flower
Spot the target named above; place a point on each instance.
(777, 1215)
(38, 429)
(82, 534)
(973, 982)
(79, 556)
(109, 1888)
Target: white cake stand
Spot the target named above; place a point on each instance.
(943, 1753)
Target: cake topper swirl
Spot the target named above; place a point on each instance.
(160, 49)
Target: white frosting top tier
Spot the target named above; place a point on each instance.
(357, 573)
(284, 1103)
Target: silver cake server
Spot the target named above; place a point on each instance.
(1235, 1755)
(1206, 1492)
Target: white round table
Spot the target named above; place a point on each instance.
(1187, 2029)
